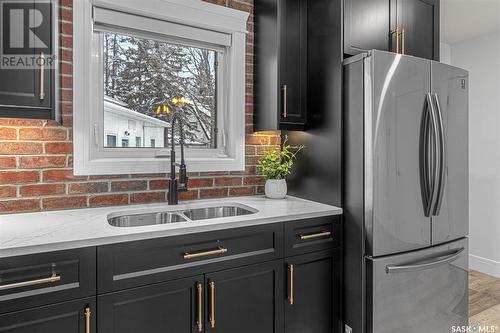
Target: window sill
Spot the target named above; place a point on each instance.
(115, 166)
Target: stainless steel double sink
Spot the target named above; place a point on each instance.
(184, 215)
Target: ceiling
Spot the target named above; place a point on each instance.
(466, 19)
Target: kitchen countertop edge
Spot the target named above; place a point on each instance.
(314, 210)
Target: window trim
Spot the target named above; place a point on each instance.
(87, 133)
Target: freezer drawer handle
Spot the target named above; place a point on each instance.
(427, 265)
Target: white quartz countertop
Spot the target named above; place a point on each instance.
(30, 233)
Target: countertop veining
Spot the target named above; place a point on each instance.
(30, 233)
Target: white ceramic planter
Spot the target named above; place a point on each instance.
(276, 188)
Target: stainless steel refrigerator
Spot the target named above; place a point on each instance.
(405, 194)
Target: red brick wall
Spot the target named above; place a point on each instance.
(36, 156)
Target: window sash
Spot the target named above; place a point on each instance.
(110, 18)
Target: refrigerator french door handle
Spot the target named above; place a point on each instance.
(441, 157)
(425, 160)
(431, 163)
(425, 265)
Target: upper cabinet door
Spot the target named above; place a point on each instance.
(367, 25)
(418, 21)
(281, 49)
(26, 88)
(401, 26)
(293, 61)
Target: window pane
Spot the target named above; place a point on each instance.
(143, 79)
(110, 141)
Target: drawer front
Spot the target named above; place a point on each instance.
(133, 264)
(303, 236)
(40, 279)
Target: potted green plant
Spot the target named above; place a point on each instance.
(276, 165)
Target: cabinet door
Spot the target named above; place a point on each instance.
(420, 21)
(247, 299)
(165, 307)
(293, 62)
(25, 91)
(69, 317)
(313, 293)
(366, 25)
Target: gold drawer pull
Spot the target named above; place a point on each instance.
(220, 250)
(290, 294)
(212, 304)
(199, 321)
(87, 319)
(53, 278)
(317, 235)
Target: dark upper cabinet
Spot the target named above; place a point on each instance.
(367, 24)
(69, 317)
(164, 307)
(247, 299)
(280, 64)
(293, 62)
(418, 22)
(402, 26)
(313, 293)
(26, 91)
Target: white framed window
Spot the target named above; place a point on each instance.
(132, 59)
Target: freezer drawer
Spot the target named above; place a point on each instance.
(420, 291)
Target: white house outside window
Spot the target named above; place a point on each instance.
(134, 60)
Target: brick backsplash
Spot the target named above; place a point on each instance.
(36, 155)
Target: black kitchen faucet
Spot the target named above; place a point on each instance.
(173, 198)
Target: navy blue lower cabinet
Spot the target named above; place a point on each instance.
(67, 317)
(313, 293)
(274, 278)
(246, 299)
(164, 307)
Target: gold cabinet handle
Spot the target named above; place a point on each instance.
(290, 293)
(87, 319)
(285, 101)
(403, 38)
(212, 304)
(397, 33)
(199, 321)
(220, 250)
(42, 76)
(53, 278)
(316, 235)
